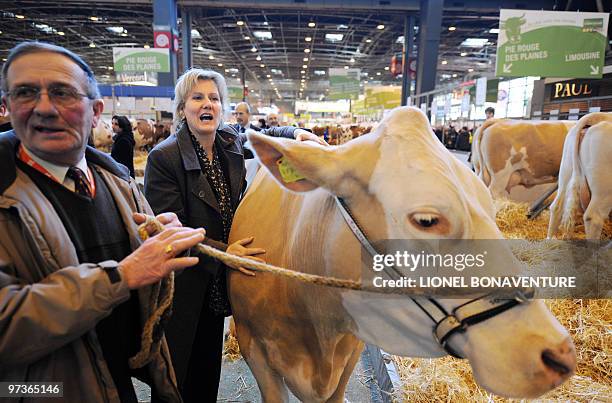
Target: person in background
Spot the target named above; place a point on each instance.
(262, 123)
(76, 281)
(123, 143)
(490, 113)
(272, 120)
(199, 174)
(243, 118)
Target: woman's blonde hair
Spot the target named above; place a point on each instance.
(185, 85)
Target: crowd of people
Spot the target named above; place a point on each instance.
(459, 139)
(76, 280)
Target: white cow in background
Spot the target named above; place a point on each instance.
(585, 178)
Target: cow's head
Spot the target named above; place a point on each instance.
(401, 183)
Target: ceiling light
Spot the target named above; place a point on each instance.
(387, 68)
(61, 33)
(305, 59)
(253, 49)
(262, 65)
(211, 57)
(227, 70)
(258, 58)
(146, 46)
(368, 40)
(19, 16)
(94, 18)
(110, 67)
(200, 47)
(346, 67)
(195, 34)
(115, 30)
(378, 73)
(304, 66)
(444, 62)
(352, 60)
(470, 70)
(463, 53)
(365, 82)
(268, 75)
(494, 31)
(308, 39)
(306, 50)
(262, 35)
(92, 45)
(303, 72)
(319, 72)
(240, 23)
(474, 42)
(247, 38)
(381, 26)
(220, 64)
(303, 80)
(451, 28)
(334, 37)
(311, 24)
(455, 75)
(124, 34)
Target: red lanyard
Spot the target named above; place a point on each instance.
(25, 157)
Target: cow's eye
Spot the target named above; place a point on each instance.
(425, 220)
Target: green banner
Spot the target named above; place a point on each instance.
(136, 60)
(343, 84)
(551, 44)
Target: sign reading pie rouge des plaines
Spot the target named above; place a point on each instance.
(551, 44)
(137, 60)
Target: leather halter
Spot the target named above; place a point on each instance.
(446, 324)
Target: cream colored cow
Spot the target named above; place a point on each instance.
(511, 153)
(400, 183)
(585, 179)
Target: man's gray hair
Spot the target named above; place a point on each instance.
(187, 82)
(248, 107)
(30, 47)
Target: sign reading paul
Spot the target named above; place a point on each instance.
(551, 44)
(141, 60)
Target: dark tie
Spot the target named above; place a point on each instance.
(81, 184)
(242, 129)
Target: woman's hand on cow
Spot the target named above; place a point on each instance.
(305, 135)
(239, 248)
(157, 256)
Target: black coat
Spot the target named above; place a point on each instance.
(123, 150)
(175, 182)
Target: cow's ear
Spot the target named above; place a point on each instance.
(299, 166)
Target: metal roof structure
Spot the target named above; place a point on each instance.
(272, 41)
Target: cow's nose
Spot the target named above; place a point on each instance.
(560, 362)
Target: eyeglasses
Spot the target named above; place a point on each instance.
(58, 95)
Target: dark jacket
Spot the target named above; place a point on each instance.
(123, 150)
(174, 182)
(238, 128)
(49, 303)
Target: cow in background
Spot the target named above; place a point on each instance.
(400, 183)
(511, 153)
(102, 135)
(585, 178)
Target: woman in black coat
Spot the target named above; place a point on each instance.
(123, 143)
(199, 174)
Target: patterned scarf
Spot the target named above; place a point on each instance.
(218, 183)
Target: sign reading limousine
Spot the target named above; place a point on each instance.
(551, 44)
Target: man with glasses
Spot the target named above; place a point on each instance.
(76, 283)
